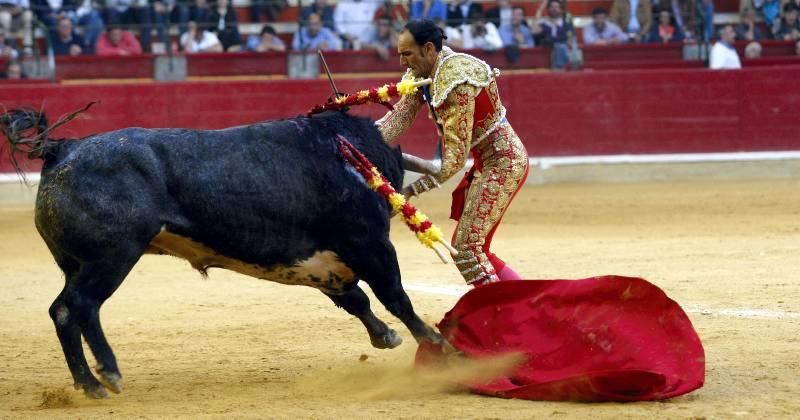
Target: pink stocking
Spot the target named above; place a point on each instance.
(507, 273)
(503, 271)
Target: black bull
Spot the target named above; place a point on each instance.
(272, 200)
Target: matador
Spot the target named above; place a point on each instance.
(463, 101)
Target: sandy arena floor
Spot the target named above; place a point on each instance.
(232, 346)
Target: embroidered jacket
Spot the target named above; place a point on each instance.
(465, 103)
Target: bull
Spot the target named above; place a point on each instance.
(272, 200)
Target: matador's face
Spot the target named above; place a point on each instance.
(419, 58)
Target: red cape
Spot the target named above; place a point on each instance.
(607, 338)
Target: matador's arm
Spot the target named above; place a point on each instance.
(396, 122)
(456, 115)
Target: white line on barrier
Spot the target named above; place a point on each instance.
(753, 313)
(12, 178)
(549, 162)
(545, 162)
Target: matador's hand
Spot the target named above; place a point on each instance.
(408, 192)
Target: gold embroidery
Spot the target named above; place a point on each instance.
(473, 267)
(454, 69)
(458, 79)
(396, 122)
(489, 195)
(424, 184)
(456, 115)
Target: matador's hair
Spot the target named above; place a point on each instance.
(424, 31)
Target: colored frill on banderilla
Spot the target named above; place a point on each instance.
(427, 233)
(380, 95)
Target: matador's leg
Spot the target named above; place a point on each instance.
(505, 167)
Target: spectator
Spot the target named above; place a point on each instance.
(666, 31)
(634, 17)
(314, 36)
(6, 49)
(516, 32)
(723, 54)
(323, 9)
(171, 11)
(199, 11)
(707, 19)
(13, 71)
(86, 17)
(748, 30)
(753, 50)
(684, 15)
(117, 41)
(268, 40)
(555, 32)
(429, 9)
(785, 2)
(272, 8)
(501, 14)
(224, 22)
(64, 39)
(601, 31)
(459, 11)
(788, 27)
(481, 34)
(16, 15)
(49, 12)
(198, 39)
(452, 36)
(132, 12)
(397, 11)
(770, 10)
(353, 19)
(384, 38)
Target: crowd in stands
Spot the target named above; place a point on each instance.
(126, 27)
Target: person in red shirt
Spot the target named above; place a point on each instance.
(117, 41)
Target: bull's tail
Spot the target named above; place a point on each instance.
(23, 128)
(27, 132)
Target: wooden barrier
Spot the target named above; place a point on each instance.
(556, 114)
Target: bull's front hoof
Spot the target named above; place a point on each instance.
(434, 337)
(95, 392)
(111, 380)
(389, 340)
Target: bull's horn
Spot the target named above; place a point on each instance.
(419, 165)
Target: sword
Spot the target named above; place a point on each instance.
(336, 92)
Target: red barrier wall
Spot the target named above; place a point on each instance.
(556, 114)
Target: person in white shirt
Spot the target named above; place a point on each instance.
(354, 21)
(15, 15)
(500, 15)
(452, 36)
(723, 53)
(199, 40)
(481, 34)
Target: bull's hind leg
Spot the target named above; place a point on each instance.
(78, 306)
(377, 265)
(356, 303)
(69, 335)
